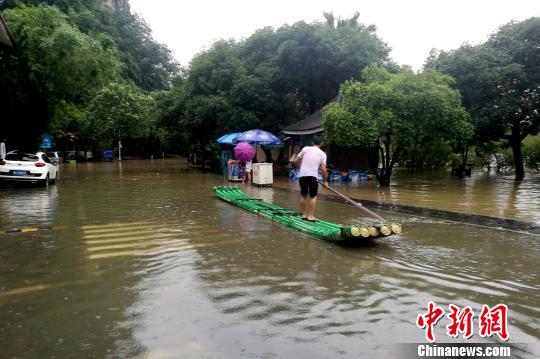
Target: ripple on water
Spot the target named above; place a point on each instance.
(189, 275)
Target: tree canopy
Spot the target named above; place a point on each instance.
(116, 111)
(65, 53)
(500, 84)
(398, 113)
(271, 79)
(148, 64)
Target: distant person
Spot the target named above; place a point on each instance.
(244, 171)
(310, 160)
(249, 166)
(241, 171)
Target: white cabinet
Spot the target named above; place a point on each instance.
(263, 173)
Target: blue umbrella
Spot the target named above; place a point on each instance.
(228, 138)
(259, 137)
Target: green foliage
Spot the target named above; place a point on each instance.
(65, 65)
(66, 52)
(147, 63)
(119, 110)
(531, 152)
(347, 129)
(500, 83)
(51, 46)
(400, 113)
(269, 80)
(168, 111)
(431, 155)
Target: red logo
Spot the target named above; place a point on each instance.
(429, 320)
(460, 322)
(491, 321)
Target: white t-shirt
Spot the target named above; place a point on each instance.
(312, 158)
(248, 166)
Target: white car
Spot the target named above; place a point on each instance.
(28, 167)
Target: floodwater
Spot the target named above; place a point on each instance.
(141, 260)
(483, 193)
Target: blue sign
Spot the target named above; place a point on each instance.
(46, 141)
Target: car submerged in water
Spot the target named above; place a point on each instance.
(28, 168)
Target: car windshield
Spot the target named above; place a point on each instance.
(25, 157)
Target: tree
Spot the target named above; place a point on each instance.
(397, 113)
(118, 111)
(271, 79)
(500, 83)
(64, 65)
(147, 63)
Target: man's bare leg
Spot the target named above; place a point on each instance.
(312, 204)
(303, 206)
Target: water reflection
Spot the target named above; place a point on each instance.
(28, 206)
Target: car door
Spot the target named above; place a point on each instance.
(50, 167)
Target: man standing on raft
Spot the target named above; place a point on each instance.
(310, 160)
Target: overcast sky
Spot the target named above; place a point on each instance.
(410, 27)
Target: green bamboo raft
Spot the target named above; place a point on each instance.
(320, 229)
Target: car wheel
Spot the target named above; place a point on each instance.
(46, 181)
(53, 181)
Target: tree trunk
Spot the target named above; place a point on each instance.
(384, 180)
(515, 141)
(380, 173)
(388, 164)
(518, 160)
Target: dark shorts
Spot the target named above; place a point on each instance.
(309, 185)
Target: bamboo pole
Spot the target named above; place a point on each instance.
(356, 204)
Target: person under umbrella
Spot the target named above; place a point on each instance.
(244, 153)
(257, 137)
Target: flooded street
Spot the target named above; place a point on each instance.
(140, 259)
(483, 193)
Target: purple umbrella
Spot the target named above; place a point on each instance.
(244, 152)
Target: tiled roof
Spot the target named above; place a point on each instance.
(310, 124)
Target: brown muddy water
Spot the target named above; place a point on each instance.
(140, 260)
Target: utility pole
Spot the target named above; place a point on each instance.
(119, 146)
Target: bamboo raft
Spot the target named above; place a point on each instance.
(320, 229)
